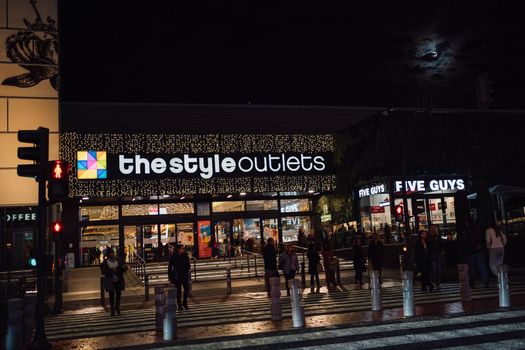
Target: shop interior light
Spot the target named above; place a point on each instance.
(243, 193)
(85, 198)
(229, 196)
(181, 198)
(311, 191)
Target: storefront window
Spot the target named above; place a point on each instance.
(204, 237)
(290, 227)
(295, 205)
(98, 213)
(261, 205)
(248, 230)
(140, 209)
(168, 233)
(203, 209)
(219, 207)
(436, 210)
(380, 213)
(271, 229)
(450, 210)
(176, 208)
(185, 234)
(132, 245)
(95, 240)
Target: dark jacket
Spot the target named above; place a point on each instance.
(313, 259)
(359, 258)
(421, 254)
(375, 254)
(109, 283)
(435, 246)
(270, 257)
(179, 267)
(474, 238)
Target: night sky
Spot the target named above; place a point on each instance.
(348, 53)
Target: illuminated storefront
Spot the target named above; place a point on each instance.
(214, 193)
(425, 201)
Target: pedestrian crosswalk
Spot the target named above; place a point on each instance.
(495, 330)
(249, 309)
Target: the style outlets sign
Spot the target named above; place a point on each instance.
(207, 166)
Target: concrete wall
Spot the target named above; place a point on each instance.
(28, 94)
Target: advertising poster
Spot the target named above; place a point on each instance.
(204, 232)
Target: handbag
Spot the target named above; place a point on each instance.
(319, 267)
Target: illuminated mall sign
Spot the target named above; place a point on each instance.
(100, 165)
(430, 185)
(373, 189)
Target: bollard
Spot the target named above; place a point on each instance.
(29, 316)
(102, 291)
(170, 318)
(408, 294)
(14, 336)
(303, 275)
(146, 287)
(275, 287)
(190, 286)
(228, 281)
(464, 285)
(338, 273)
(375, 291)
(503, 286)
(159, 307)
(297, 307)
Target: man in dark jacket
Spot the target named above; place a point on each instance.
(270, 263)
(179, 274)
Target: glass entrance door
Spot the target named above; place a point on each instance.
(222, 239)
(249, 232)
(271, 230)
(23, 249)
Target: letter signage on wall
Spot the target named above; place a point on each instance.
(372, 190)
(205, 166)
(430, 185)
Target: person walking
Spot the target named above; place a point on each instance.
(328, 254)
(179, 274)
(270, 263)
(375, 255)
(496, 242)
(313, 264)
(422, 258)
(435, 248)
(475, 253)
(113, 270)
(359, 261)
(290, 264)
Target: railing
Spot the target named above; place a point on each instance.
(138, 266)
(255, 255)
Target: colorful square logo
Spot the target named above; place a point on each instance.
(91, 165)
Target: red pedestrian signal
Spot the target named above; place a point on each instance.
(58, 184)
(399, 213)
(56, 229)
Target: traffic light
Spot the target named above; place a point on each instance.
(38, 153)
(399, 213)
(56, 229)
(58, 181)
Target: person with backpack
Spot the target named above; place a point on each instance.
(113, 270)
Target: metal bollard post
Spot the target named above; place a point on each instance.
(303, 275)
(408, 294)
(14, 336)
(228, 281)
(464, 284)
(146, 287)
(275, 287)
(297, 307)
(375, 291)
(503, 286)
(190, 286)
(102, 291)
(255, 259)
(401, 265)
(170, 318)
(159, 307)
(29, 316)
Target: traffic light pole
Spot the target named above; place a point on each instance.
(58, 308)
(40, 339)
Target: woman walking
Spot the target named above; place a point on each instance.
(496, 242)
(113, 270)
(290, 264)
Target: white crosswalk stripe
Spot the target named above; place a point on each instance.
(249, 309)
